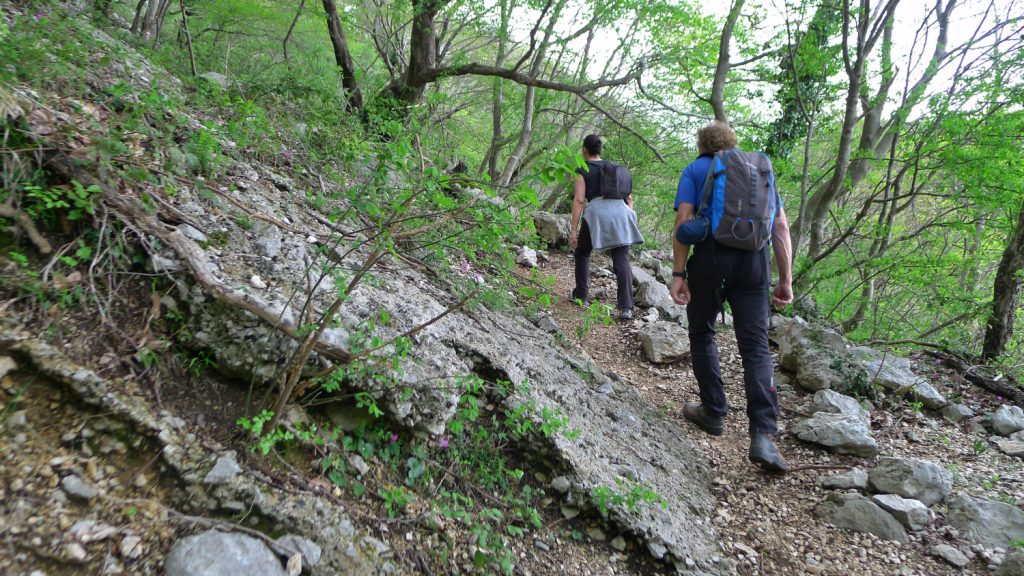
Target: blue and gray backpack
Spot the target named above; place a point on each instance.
(739, 200)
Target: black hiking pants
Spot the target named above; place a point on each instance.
(620, 265)
(745, 287)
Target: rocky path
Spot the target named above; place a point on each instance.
(767, 524)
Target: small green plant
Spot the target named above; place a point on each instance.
(395, 499)
(979, 447)
(1017, 543)
(244, 222)
(266, 440)
(628, 493)
(991, 482)
(593, 314)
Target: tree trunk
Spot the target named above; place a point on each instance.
(722, 69)
(422, 52)
(1005, 294)
(490, 163)
(342, 57)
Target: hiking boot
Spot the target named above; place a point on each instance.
(694, 412)
(625, 314)
(765, 454)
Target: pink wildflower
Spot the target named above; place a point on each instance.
(443, 443)
(394, 437)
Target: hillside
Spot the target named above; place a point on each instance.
(238, 334)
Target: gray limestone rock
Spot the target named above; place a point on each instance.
(910, 478)
(216, 78)
(1008, 419)
(855, 512)
(651, 294)
(310, 550)
(986, 522)
(527, 257)
(911, 513)
(77, 488)
(192, 233)
(268, 239)
(951, 555)
(956, 412)
(856, 479)
(548, 324)
(641, 276)
(895, 374)
(664, 343)
(223, 470)
(7, 365)
(1013, 564)
(214, 553)
(17, 419)
(1010, 447)
(552, 228)
(560, 484)
(833, 402)
(840, 433)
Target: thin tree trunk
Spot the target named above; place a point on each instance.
(342, 56)
(1005, 294)
(722, 69)
(137, 21)
(188, 37)
(498, 95)
(288, 36)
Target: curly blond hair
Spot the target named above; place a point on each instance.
(715, 136)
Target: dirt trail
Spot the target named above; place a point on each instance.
(766, 523)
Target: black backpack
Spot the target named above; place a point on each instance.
(614, 180)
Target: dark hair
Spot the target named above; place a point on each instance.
(593, 144)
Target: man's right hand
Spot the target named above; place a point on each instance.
(680, 291)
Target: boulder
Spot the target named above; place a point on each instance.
(857, 513)
(527, 257)
(547, 324)
(664, 342)
(840, 433)
(894, 374)
(292, 543)
(214, 553)
(1010, 447)
(911, 513)
(223, 470)
(956, 412)
(950, 554)
(856, 479)
(910, 478)
(833, 402)
(986, 522)
(552, 228)
(651, 294)
(641, 276)
(1008, 419)
(216, 78)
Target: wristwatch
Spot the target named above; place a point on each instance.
(682, 274)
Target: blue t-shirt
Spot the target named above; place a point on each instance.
(691, 182)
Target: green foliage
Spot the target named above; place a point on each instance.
(628, 493)
(593, 314)
(266, 440)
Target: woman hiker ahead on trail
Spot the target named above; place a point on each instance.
(609, 223)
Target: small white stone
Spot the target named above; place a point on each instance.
(257, 282)
(311, 239)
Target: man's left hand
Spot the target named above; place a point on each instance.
(783, 295)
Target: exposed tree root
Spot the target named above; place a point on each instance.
(22, 221)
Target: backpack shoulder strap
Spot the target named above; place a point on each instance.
(705, 202)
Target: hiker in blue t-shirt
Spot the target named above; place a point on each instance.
(716, 273)
(608, 224)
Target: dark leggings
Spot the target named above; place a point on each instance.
(745, 290)
(620, 265)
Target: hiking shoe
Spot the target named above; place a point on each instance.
(625, 314)
(694, 412)
(765, 454)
